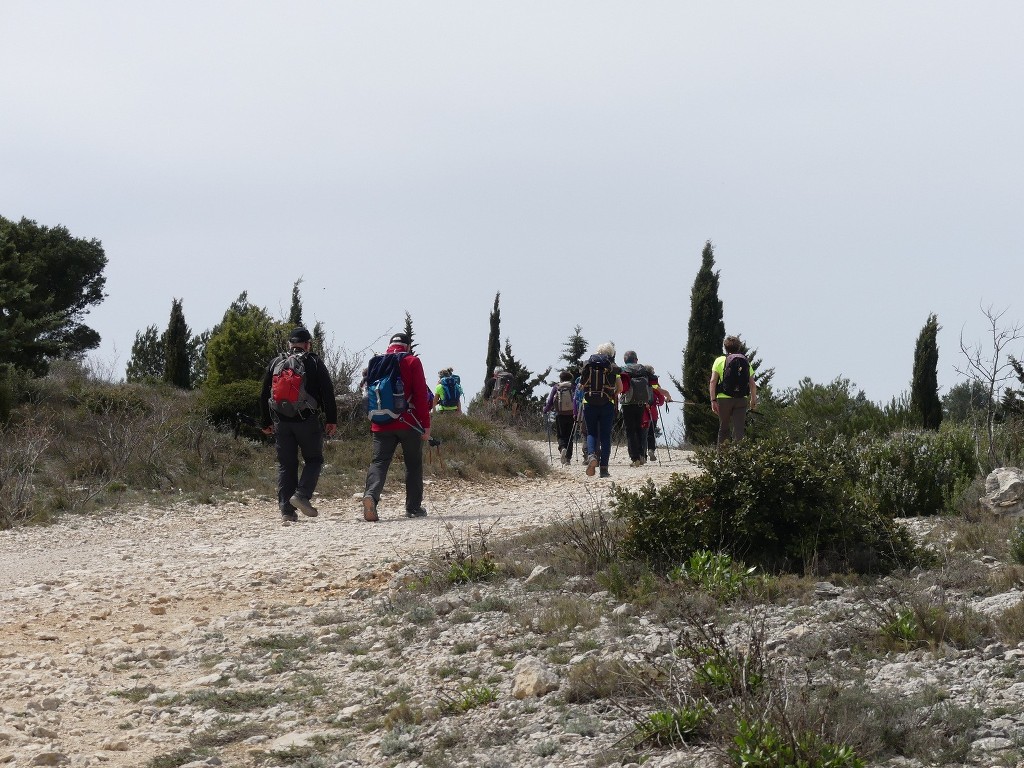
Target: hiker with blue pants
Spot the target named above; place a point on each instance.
(299, 433)
(601, 387)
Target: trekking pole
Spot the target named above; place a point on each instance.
(660, 419)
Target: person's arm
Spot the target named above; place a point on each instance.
(548, 404)
(753, 393)
(327, 399)
(713, 390)
(416, 384)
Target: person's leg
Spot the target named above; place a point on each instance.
(311, 443)
(739, 418)
(590, 418)
(384, 444)
(631, 417)
(727, 407)
(287, 464)
(564, 424)
(412, 451)
(607, 418)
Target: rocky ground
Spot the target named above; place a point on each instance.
(195, 635)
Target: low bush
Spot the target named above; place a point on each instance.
(911, 473)
(777, 505)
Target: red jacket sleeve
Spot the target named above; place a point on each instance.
(416, 389)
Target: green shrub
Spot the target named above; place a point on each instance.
(718, 575)
(778, 505)
(761, 745)
(669, 727)
(223, 402)
(1017, 542)
(913, 473)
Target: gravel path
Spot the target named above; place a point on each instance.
(85, 595)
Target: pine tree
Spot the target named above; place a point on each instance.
(493, 347)
(573, 351)
(407, 330)
(177, 366)
(704, 334)
(924, 386)
(295, 313)
(147, 357)
(523, 380)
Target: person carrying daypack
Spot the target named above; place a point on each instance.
(601, 387)
(732, 389)
(448, 392)
(399, 412)
(296, 388)
(501, 391)
(562, 402)
(650, 420)
(636, 396)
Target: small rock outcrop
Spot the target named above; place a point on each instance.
(1004, 492)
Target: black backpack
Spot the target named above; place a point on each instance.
(598, 381)
(639, 392)
(736, 379)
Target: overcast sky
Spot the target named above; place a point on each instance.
(857, 166)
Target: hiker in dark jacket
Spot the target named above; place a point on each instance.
(601, 387)
(300, 433)
(633, 410)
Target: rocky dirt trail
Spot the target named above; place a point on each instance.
(92, 605)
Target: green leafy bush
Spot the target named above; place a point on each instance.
(913, 473)
(718, 575)
(774, 504)
(761, 745)
(224, 401)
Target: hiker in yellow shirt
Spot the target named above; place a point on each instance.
(732, 389)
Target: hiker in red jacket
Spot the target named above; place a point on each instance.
(409, 429)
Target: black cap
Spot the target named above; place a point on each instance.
(400, 338)
(299, 335)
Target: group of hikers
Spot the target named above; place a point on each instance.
(297, 389)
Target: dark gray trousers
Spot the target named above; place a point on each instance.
(293, 438)
(384, 445)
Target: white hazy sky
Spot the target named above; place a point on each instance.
(856, 166)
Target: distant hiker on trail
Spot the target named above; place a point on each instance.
(732, 389)
(502, 391)
(601, 386)
(448, 392)
(636, 396)
(398, 407)
(562, 402)
(650, 420)
(296, 386)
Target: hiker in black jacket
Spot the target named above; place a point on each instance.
(296, 426)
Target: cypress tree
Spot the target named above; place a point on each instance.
(493, 346)
(924, 386)
(704, 334)
(295, 313)
(177, 365)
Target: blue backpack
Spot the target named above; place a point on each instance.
(451, 388)
(385, 390)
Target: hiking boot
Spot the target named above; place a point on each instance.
(591, 466)
(605, 472)
(418, 512)
(636, 463)
(303, 506)
(370, 509)
(289, 517)
(561, 452)
(652, 456)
